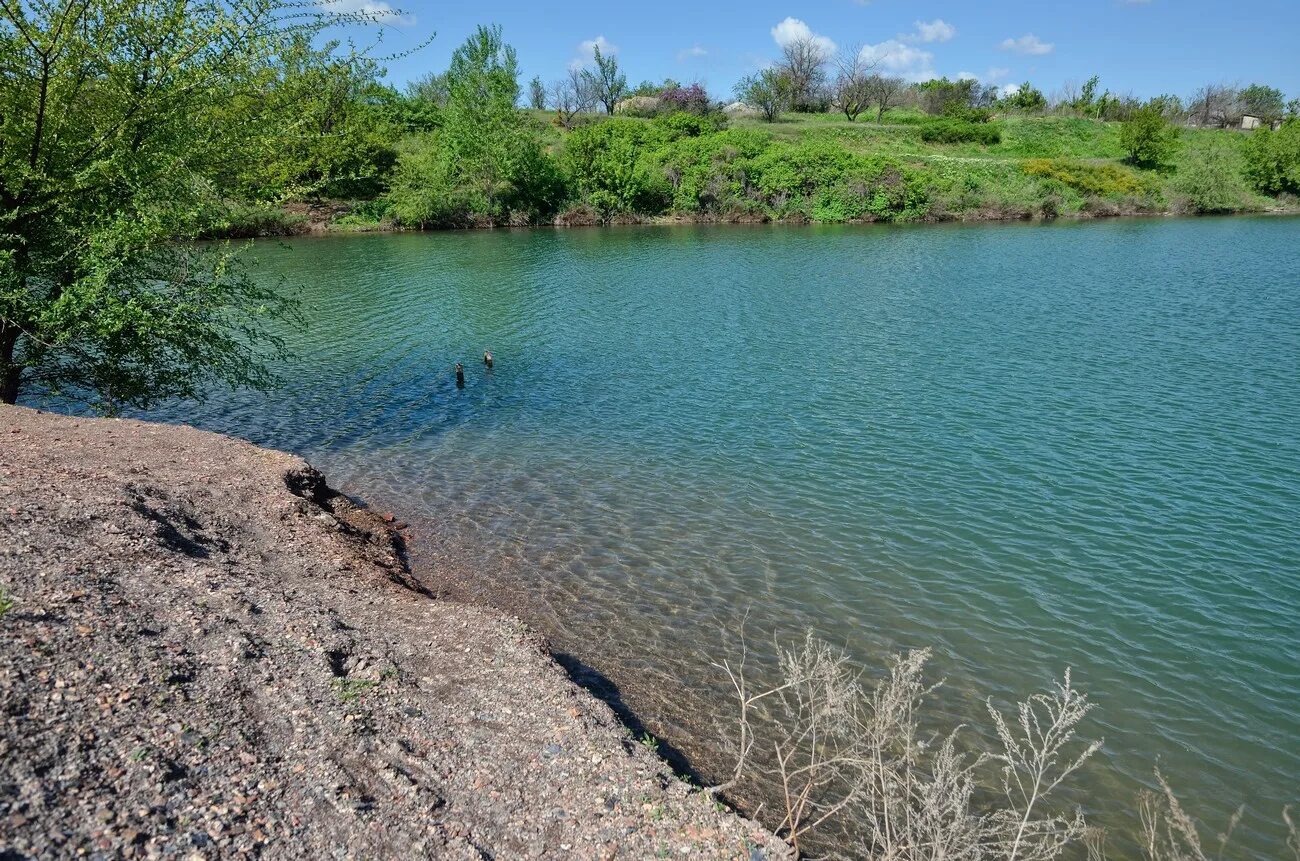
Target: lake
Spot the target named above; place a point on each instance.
(1029, 447)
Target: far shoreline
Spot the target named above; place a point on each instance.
(325, 229)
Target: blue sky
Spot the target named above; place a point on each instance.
(1147, 47)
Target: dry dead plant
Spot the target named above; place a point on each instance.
(1036, 759)
(813, 716)
(861, 762)
(1170, 834)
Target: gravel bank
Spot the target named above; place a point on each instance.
(211, 654)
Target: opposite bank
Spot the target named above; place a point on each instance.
(209, 653)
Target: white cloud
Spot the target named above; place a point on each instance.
(793, 30)
(992, 76)
(1010, 90)
(587, 51)
(901, 59)
(937, 30)
(691, 53)
(1028, 44)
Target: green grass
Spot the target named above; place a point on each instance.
(1058, 137)
(6, 601)
(351, 690)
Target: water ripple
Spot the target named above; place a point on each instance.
(1029, 447)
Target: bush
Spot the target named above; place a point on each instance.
(692, 99)
(843, 751)
(687, 125)
(1148, 138)
(435, 186)
(967, 114)
(988, 188)
(1210, 178)
(1027, 97)
(707, 173)
(364, 215)
(1273, 159)
(951, 131)
(249, 220)
(825, 182)
(939, 95)
(1105, 180)
(605, 164)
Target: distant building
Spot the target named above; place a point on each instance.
(1248, 123)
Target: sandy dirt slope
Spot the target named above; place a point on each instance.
(211, 654)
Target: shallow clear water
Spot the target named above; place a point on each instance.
(1029, 447)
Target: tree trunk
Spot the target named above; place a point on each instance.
(9, 372)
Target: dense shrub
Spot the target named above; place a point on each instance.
(708, 173)
(1272, 159)
(742, 172)
(1148, 138)
(513, 181)
(693, 99)
(485, 163)
(1105, 180)
(605, 164)
(940, 95)
(688, 125)
(828, 183)
(951, 131)
(1026, 97)
(247, 220)
(1210, 178)
(967, 114)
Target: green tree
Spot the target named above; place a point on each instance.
(536, 94)
(1085, 102)
(607, 82)
(942, 96)
(1170, 106)
(1273, 159)
(329, 126)
(1263, 101)
(113, 117)
(1027, 97)
(485, 162)
(853, 85)
(1209, 178)
(886, 92)
(430, 87)
(1148, 138)
(769, 90)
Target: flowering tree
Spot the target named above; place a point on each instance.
(693, 99)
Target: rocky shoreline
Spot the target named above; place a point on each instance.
(212, 654)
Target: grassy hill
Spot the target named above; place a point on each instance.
(823, 168)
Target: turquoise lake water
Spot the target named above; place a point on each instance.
(1029, 447)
